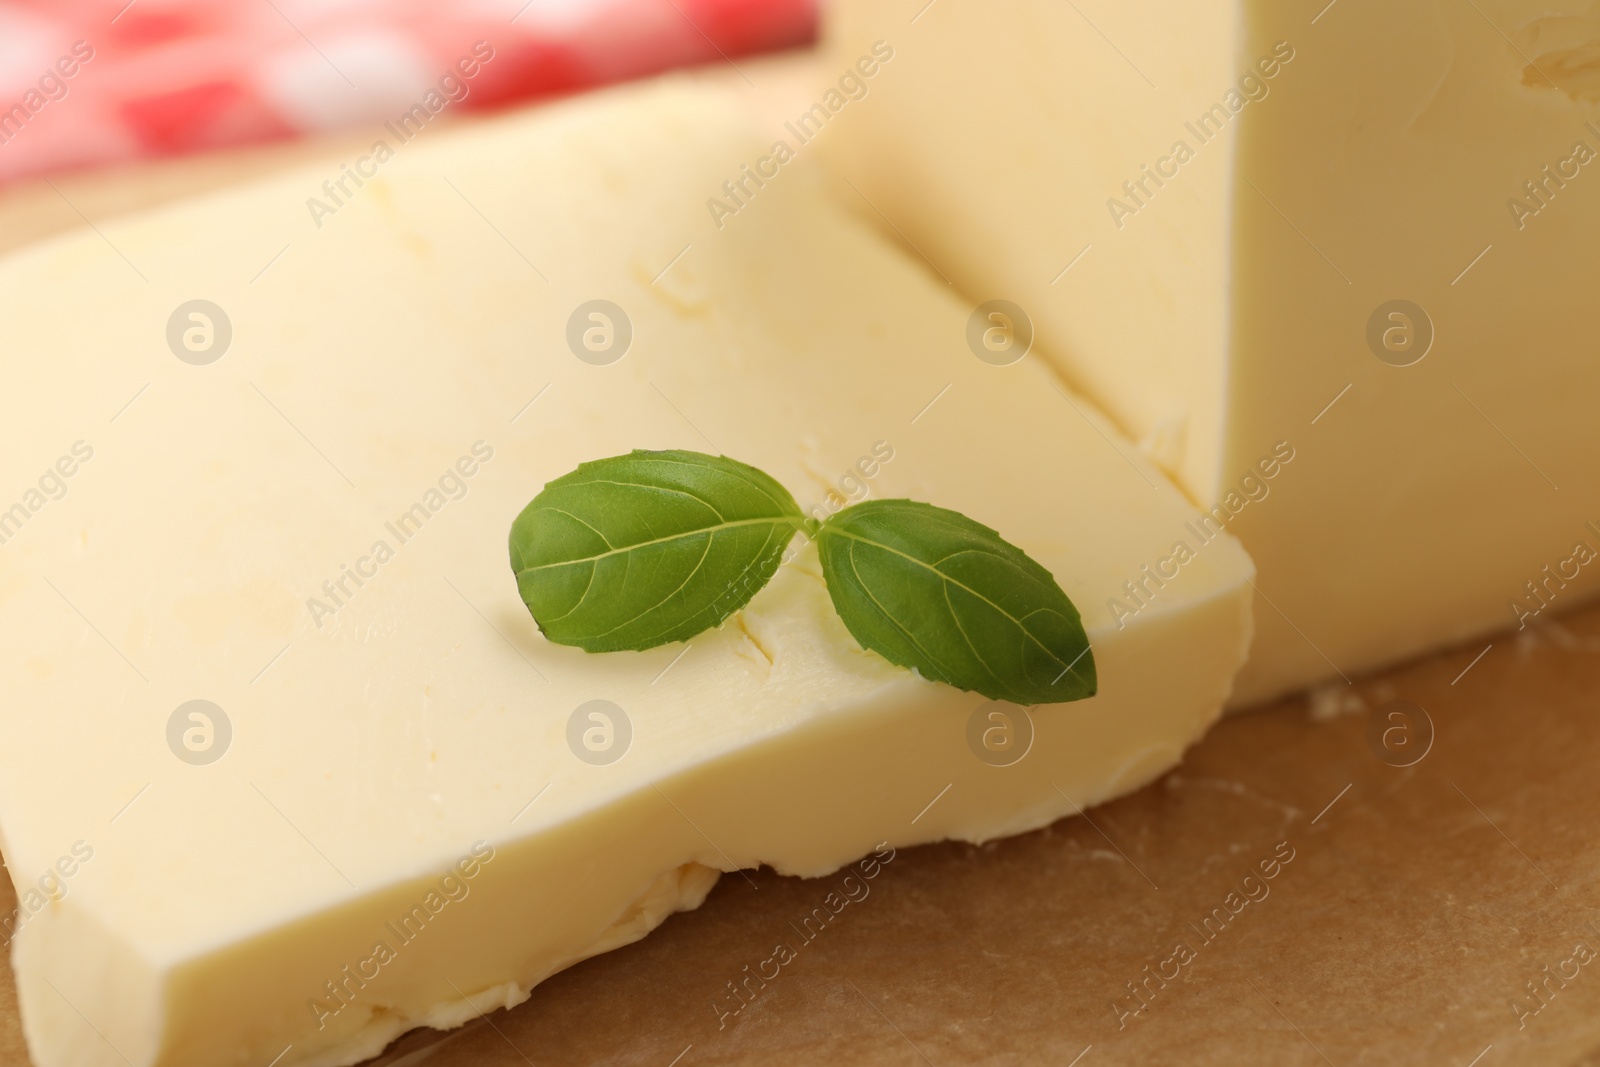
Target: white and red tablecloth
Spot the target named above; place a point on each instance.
(85, 82)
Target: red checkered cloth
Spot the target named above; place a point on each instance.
(86, 82)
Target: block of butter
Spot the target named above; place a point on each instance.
(1357, 235)
(289, 769)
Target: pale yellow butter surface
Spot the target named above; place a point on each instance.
(400, 376)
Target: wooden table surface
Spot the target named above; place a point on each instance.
(1411, 911)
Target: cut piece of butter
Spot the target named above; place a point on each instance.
(399, 805)
(1231, 223)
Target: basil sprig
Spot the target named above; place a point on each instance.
(641, 550)
(929, 588)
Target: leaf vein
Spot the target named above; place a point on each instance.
(686, 580)
(581, 522)
(651, 488)
(793, 525)
(961, 585)
(891, 620)
(735, 472)
(583, 597)
(956, 618)
(759, 556)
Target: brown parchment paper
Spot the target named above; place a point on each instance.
(1418, 906)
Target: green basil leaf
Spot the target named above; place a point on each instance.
(929, 588)
(652, 547)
